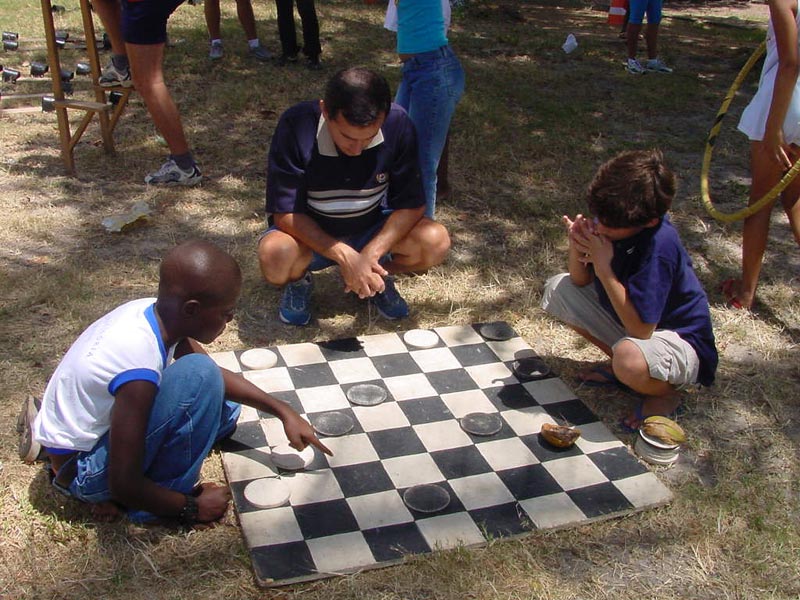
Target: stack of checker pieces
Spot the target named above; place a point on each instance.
(346, 513)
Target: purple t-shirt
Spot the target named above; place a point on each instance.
(663, 287)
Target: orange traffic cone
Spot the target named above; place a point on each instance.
(616, 12)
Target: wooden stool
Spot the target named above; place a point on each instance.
(107, 113)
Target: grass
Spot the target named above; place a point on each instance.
(534, 125)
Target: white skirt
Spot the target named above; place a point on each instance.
(754, 117)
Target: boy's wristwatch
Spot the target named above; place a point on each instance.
(189, 512)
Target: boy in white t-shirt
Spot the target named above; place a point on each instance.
(135, 405)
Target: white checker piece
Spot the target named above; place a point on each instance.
(574, 472)
(459, 335)
(415, 469)
(480, 491)
(442, 435)
(469, 401)
(342, 552)
(379, 510)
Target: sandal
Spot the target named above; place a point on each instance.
(728, 290)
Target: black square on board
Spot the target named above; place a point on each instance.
(570, 412)
(455, 463)
(530, 481)
(315, 375)
(394, 365)
(453, 380)
(501, 520)
(282, 561)
(510, 396)
(361, 479)
(342, 349)
(395, 541)
(617, 463)
(600, 499)
(320, 519)
(246, 435)
(401, 441)
(474, 354)
(290, 398)
(425, 410)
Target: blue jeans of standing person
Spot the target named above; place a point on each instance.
(432, 84)
(189, 414)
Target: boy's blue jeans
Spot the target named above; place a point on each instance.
(189, 414)
(429, 90)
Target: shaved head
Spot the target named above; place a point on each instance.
(198, 270)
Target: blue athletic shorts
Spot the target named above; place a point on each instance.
(145, 21)
(637, 9)
(356, 241)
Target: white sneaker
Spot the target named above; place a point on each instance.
(113, 77)
(260, 53)
(657, 65)
(215, 52)
(634, 67)
(171, 174)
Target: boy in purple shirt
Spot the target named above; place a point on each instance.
(646, 309)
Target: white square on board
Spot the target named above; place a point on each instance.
(407, 387)
(552, 511)
(450, 531)
(468, 401)
(381, 416)
(301, 354)
(415, 469)
(341, 552)
(435, 359)
(491, 375)
(248, 413)
(480, 491)
(272, 526)
(458, 335)
(227, 360)
(312, 486)
(379, 510)
(442, 435)
(644, 490)
(527, 421)
(255, 465)
(574, 472)
(271, 380)
(549, 391)
(322, 398)
(352, 449)
(352, 370)
(383, 344)
(512, 349)
(596, 437)
(506, 454)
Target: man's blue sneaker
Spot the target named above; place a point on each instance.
(389, 302)
(294, 308)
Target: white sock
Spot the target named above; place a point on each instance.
(254, 43)
(216, 42)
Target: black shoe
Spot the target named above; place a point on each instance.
(285, 59)
(314, 63)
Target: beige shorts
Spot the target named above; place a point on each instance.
(669, 357)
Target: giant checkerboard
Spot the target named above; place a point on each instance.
(346, 512)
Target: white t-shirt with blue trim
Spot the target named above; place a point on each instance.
(125, 345)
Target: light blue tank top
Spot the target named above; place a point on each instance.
(420, 26)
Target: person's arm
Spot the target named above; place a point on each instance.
(577, 234)
(600, 252)
(782, 14)
(237, 388)
(128, 485)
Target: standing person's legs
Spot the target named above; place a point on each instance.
(244, 10)
(212, 14)
(286, 30)
(790, 198)
(111, 17)
(308, 17)
(432, 85)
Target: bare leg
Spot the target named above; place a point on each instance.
(111, 16)
(282, 258)
(651, 37)
(148, 76)
(244, 9)
(790, 199)
(632, 39)
(425, 246)
(211, 9)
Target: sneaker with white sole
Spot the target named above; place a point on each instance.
(294, 308)
(114, 77)
(215, 50)
(634, 67)
(260, 53)
(171, 174)
(657, 65)
(389, 302)
(29, 449)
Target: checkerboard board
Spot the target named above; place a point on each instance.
(346, 512)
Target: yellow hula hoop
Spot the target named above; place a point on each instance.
(712, 136)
